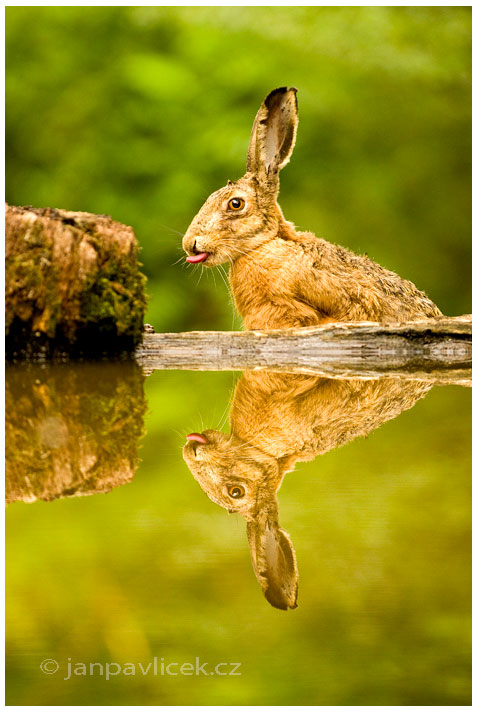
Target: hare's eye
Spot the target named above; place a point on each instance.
(236, 204)
(236, 491)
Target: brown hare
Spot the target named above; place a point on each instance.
(281, 277)
(277, 420)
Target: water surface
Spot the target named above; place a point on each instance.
(115, 553)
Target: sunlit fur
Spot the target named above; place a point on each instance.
(281, 277)
(278, 419)
(226, 234)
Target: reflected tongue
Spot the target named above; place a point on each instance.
(197, 437)
(198, 258)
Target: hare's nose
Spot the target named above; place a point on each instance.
(196, 249)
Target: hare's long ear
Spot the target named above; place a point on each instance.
(274, 562)
(286, 464)
(273, 134)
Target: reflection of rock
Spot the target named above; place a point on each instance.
(71, 429)
(277, 420)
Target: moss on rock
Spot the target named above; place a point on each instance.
(73, 284)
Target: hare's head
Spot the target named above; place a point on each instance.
(244, 479)
(244, 214)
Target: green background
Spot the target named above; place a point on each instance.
(141, 112)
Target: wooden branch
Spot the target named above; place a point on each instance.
(436, 350)
(73, 284)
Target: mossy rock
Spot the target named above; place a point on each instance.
(73, 284)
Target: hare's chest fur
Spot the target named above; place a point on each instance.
(265, 286)
(309, 281)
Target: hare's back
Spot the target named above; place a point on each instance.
(357, 288)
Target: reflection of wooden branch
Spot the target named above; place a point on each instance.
(73, 283)
(436, 350)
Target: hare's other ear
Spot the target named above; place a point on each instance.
(274, 562)
(273, 134)
(286, 464)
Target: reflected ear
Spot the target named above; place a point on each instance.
(287, 463)
(274, 561)
(273, 134)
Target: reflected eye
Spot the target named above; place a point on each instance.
(236, 204)
(236, 491)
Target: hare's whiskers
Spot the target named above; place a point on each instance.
(181, 435)
(227, 409)
(200, 275)
(168, 227)
(180, 259)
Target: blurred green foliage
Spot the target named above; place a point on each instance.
(382, 533)
(141, 112)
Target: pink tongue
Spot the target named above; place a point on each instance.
(197, 437)
(198, 258)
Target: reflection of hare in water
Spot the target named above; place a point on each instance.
(281, 277)
(277, 420)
